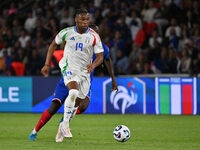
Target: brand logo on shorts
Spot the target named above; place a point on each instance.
(68, 75)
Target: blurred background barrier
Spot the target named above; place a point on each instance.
(16, 94)
(142, 95)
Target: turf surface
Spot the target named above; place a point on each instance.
(94, 132)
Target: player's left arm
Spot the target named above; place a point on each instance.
(98, 50)
(97, 62)
(109, 66)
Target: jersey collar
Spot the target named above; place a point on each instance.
(88, 29)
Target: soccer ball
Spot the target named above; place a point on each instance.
(121, 133)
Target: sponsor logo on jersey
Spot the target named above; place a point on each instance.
(72, 38)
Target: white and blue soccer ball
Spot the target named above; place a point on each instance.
(121, 133)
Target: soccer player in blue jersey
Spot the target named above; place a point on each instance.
(61, 92)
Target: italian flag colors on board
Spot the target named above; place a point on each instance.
(176, 96)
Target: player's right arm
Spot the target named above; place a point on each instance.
(109, 66)
(60, 37)
(108, 63)
(46, 67)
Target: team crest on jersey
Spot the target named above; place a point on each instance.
(87, 40)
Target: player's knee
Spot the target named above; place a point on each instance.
(55, 105)
(73, 94)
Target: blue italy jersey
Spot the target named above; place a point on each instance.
(61, 92)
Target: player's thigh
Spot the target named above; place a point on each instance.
(84, 87)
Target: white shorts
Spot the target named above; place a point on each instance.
(83, 82)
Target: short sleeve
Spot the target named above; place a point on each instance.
(106, 51)
(61, 36)
(98, 48)
(58, 39)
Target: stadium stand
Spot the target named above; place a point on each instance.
(153, 24)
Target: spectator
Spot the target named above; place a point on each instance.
(195, 8)
(10, 38)
(172, 39)
(154, 38)
(192, 51)
(24, 38)
(160, 64)
(4, 29)
(122, 65)
(3, 66)
(183, 40)
(5, 63)
(196, 39)
(39, 28)
(16, 28)
(34, 63)
(12, 9)
(30, 22)
(116, 44)
(197, 64)
(172, 61)
(150, 12)
(135, 24)
(135, 20)
(123, 28)
(161, 16)
(21, 57)
(147, 69)
(66, 20)
(154, 53)
(36, 9)
(176, 28)
(140, 63)
(136, 50)
(184, 62)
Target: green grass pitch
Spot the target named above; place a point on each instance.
(94, 132)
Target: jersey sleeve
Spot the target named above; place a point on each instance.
(61, 36)
(106, 51)
(98, 48)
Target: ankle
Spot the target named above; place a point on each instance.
(34, 131)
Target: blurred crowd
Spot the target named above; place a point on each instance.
(144, 36)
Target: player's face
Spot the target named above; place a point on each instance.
(82, 21)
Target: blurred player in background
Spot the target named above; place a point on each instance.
(76, 64)
(61, 92)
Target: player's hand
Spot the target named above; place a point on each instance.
(114, 86)
(45, 70)
(90, 68)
